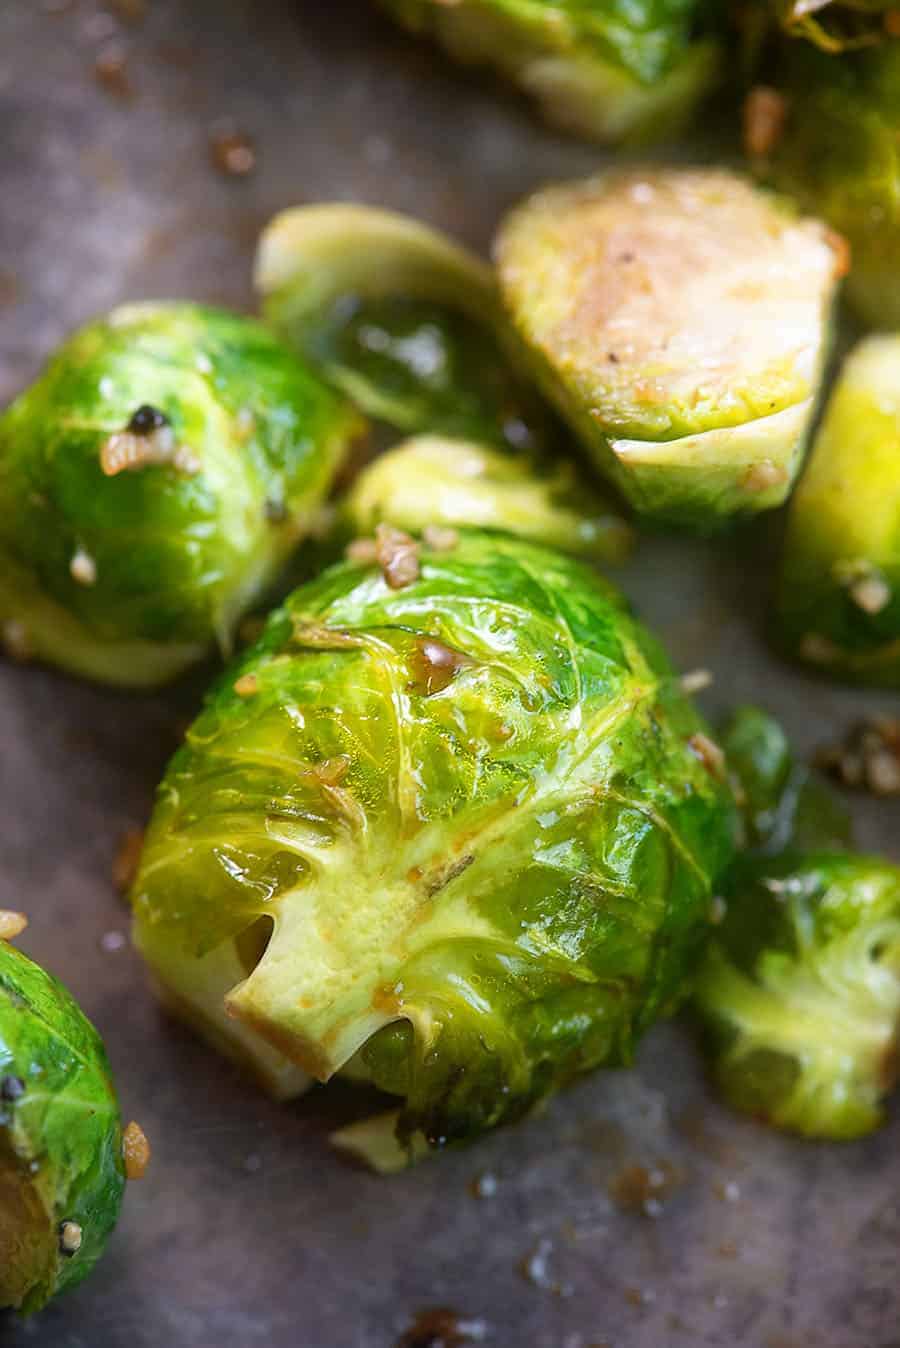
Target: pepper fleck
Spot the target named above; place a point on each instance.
(146, 420)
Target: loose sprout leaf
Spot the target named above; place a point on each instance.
(60, 1137)
(799, 991)
(632, 70)
(781, 804)
(678, 319)
(838, 601)
(479, 884)
(840, 157)
(456, 484)
(838, 25)
(152, 483)
(402, 319)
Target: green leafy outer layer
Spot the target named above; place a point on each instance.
(800, 991)
(838, 603)
(678, 319)
(470, 810)
(402, 319)
(613, 70)
(432, 480)
(60, 1139)
(840, 157)
(178, 554)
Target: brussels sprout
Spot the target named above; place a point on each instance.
(399, 317)
(62, 1173)
(838, 604)
(152, 481)
(781, 803)
(430, 481)
(678, 319)
(454, 831)
(613, 70)
(840, 157)
(800, 991)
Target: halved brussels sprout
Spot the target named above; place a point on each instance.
(839, 156)
(62, 1172)
(430, 481)
(454, 830)
(838, 603)
(152, 482)
(678, 318)
(800, 991)
(613, 70)
(401, 318)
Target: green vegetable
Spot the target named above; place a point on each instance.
(152, 482)
(840, 157)
(678, 319)
(61, 1169)
(838, 604)
(613, 70)
(781, 803)
(457, 835)
(800, 991)
(457, 484)
(399, 317)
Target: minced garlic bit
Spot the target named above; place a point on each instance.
(11, 924)
(135, 1151)
(128, 450)
(871, 595)
(709, 753)
(869, 757)
(16, 642)
(246, 686)
(696, 680)
(764, 116)
(439, 538)
(764, 475)
(398, 556)
(71, 1236)
(82, 567)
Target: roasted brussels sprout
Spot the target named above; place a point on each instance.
(678, 319)
(839, 155)
(613, 70)
(453, 827)
(838, 603)
(433, 482)
(780, 802)
(402, 319)
(152, 481)
(800, 991)
(62, 1172)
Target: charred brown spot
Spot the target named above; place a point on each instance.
(645, 1189)
(439, 1328)
(433, 666)
(398, 556)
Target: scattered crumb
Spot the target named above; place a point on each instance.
(71, 1236)
(361, 550)
(764, 117)
(83, 568)
(232, 152)
(484, 1186)
(696, 680)
(535, 1269)
(728, 1191)
(440, 539)
(112, 941)
(11, 924)
(843, 255)
(868, 759)
(129, 450)
(247, 685)
(9, 287)
(16, 642)
(645, 1189)
(111, 71)
(442, 1328)
(127, 858)
(398, 556)
(727, 1250)
(135, 1151)
(709, 754)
